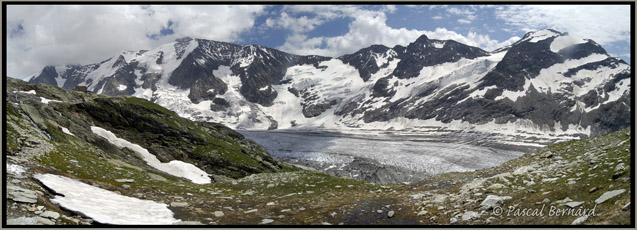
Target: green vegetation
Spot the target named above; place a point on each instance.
(149, 105)
(13, 140)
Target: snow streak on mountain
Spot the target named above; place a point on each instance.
(548, 84)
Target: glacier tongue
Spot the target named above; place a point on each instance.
(417, 153)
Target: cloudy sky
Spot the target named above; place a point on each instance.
(66, 34)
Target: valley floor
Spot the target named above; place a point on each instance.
(592, 175)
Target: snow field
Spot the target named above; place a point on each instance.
(105, 206)
(175, 167)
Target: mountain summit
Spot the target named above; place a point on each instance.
(548, 84)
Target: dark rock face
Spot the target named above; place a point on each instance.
(206, 89)
(219, 104)
(273, 123)
(543, 109)
(610, 62)
(442, 105)
(313, 60)
(382, 88)
(47, 76)
(314, 110)
(150, 80)
(262, 72)
(181, 45)
(200, 63)
(581, 50)
(75, 74)
(609, 117)
(124, 76)
(349, 108)
(190, 71)
(425, 52)
(365, 60)
(523, 61)
(258, 67)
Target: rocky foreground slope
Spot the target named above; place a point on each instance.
(49, 135)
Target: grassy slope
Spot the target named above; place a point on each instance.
(339, 200)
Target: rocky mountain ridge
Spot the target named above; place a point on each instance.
(549, 84)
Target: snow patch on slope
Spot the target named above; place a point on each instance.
(130, 55)
(542, 35)
(46, 101)
(562, 42)
(622, 87)
(15, 169)
(167, 95)
(26, 92)
(552, 79)
(333, 83)
(241, 113)
(480, 93)
(175, 167)
(103, 71)
(59, 80)
(514, 95)
(382, 59)
(593, 79)
(439, 45)
(462, 72)
(105, 206)
(65, 130)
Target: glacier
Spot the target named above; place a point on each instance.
(430, 155)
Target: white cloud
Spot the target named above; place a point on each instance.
(390, 8)
(370, 27)
(602, 23)
(467, 15)
(436, 17)
(298, 25)
(86, 34)
(367, 28)
(458, 11)
(464, 21)
(325, 11)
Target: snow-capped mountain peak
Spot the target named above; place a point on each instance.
(547, 83)
(539, 35)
